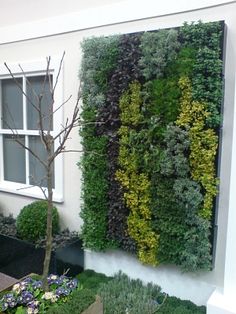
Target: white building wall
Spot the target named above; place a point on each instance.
(150, 15)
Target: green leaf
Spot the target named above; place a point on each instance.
(20, 310)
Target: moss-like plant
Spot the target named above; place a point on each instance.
(78, 302)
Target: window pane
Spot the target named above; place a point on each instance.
(12, 104)
(14, 159)
(37, 171)
(35, 88)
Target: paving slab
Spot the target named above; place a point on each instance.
(95, 308)
(6, 281)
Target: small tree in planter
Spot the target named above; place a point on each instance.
(48, 140)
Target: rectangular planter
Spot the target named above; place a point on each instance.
(71, 258)
(19, 258)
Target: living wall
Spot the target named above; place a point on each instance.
(152, 110)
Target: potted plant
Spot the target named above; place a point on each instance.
(27, 243)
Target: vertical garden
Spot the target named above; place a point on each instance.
(152, 112)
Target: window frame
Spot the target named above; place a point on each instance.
(35, 68)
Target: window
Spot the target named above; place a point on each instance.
(20, 171)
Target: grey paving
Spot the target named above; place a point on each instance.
(6, 281)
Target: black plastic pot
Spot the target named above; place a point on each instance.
(19, 258)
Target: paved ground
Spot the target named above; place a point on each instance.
(95, 308)
(6, 281)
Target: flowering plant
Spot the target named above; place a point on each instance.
(28, 296)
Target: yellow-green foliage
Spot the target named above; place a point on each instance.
(203, 145)
(136, 185)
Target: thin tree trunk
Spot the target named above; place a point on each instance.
(48, 248)
(48, 142)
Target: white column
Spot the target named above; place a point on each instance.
(224, 301)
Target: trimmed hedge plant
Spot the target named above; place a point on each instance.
(32, 221)
(151, 110)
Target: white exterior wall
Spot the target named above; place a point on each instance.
(147, 15)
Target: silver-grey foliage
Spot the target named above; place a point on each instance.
(123, 295)
(158, 48)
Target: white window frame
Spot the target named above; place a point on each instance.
(36, 68)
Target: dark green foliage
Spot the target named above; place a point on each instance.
(122, 295)
(174, 158)
(183, 64)
(165, 97)
(207, 83)
(169, 220)
(32, 221)
(206, 38)
(184, 237)
(95, 188)
(162, 96)
(201, 34)
(92, 280)
(174, 305)
(78, 302)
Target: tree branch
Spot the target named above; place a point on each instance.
(19, 86)
(59, 72)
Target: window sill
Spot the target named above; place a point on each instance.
(28, 191)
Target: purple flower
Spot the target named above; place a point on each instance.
(62, 291)
(13, 303)
(72, 284)
(27, 297)
(27, 281)
(23, 285)
(58, 282)
(33, 304)
(7, 301)
(52, 279)
(37, 284)
(8, 296)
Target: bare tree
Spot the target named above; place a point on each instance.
(48, 140)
